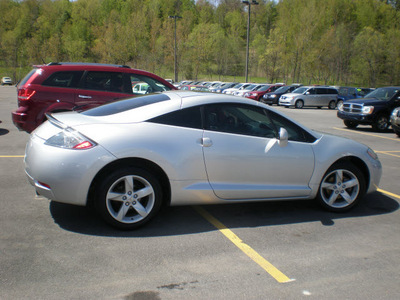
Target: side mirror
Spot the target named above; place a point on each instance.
(283, 137)
(307, 93)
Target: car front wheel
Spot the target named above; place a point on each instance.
(128, 198)
(299, 104)
(381, 123)
(341, 188)
(350, 124)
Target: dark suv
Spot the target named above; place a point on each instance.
(374, 110)
(57, 87)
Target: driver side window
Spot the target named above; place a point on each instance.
(238, 119)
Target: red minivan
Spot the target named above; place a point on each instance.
(58, 87)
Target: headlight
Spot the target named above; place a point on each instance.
(70, 139)
(272, 96)
(340, 106)
(367, 110)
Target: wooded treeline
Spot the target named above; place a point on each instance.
(342, 42)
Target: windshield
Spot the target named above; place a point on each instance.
(282, 89)
(300, 90)
(263, 88)
(237, 86)
(383, 93)
(248, 87)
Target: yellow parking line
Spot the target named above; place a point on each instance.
(389, 153)
(370, 134)
(250, 252)
(10, 156)
(389, 193)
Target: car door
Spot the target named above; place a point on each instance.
(244, 160)
(99, 87)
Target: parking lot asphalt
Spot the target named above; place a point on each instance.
(282, 250)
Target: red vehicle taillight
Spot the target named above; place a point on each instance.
(25, 94)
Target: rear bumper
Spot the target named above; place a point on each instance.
(20, 120)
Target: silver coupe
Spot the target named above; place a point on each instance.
(178, 148)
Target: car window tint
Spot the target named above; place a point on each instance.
(104, 81)
(64, 79)
(146, 85)
(238, 119)
(295, 132)
(188, 117)
(124, 105)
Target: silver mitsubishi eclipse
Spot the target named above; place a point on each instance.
(130, 157)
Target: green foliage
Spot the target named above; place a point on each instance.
(337, 42)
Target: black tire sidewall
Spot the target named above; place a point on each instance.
(104, 185)
(299, 104)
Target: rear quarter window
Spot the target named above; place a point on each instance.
(68, 79)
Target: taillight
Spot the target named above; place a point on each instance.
(25, 94)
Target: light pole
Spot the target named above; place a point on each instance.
(175, 57)
(248, 3)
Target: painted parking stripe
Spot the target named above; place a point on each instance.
(389, 193)
(365, 133)
(10, 156)
(250, 252)
(391, 153)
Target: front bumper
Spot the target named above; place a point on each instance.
(359, 118)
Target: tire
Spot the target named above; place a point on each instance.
(397, 132)
(128, 198)
(381, 123)
(332, 104)
(341, 188)
(299, 104)
(350, 124)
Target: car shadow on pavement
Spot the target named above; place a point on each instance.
(186, 220)
(4, 131)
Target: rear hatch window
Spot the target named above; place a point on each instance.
(124, 105)
(26, 78)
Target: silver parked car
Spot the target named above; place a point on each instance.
(310, 96)
(395, 120)
(177, 148)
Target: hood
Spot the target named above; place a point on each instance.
(367, 101)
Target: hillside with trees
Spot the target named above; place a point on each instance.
(341, 42)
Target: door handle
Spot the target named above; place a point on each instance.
(85, 97)
(206, 142)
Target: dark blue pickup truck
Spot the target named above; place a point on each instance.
(374, 110)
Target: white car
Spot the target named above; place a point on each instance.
(6, 80)
(238, 86)
(129, 157)
(252, 87)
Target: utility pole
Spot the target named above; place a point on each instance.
(175, 54)
(248, 3)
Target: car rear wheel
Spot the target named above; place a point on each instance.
(299, 104)
(128, 198)
(381, 123)
(341, 188)
(332, 105)
(350, 124)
